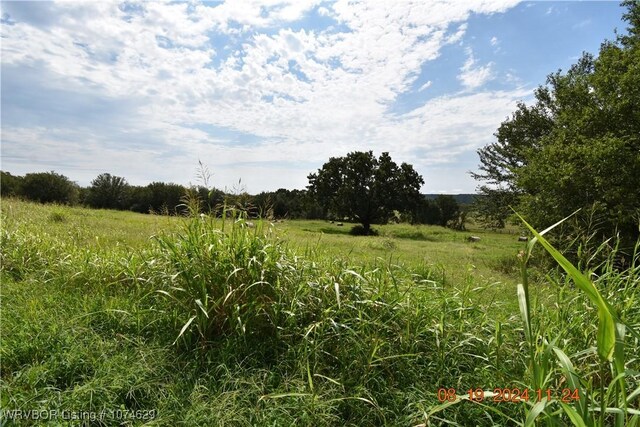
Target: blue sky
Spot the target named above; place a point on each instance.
(267, 91)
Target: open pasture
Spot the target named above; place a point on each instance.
(173, 321)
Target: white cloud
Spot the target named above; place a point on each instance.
(323, 11)
(556, 9)
(511, 77)
(494, 41)
(302, 95)
(473, 76)
(425, 86)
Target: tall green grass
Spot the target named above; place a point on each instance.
(603, 391)
(598, 384)
(216, 322)
(225, 281)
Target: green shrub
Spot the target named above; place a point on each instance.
(10, 185)
(577, 351)
(48, 187)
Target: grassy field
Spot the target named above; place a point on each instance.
(135, 319)
(415, 246)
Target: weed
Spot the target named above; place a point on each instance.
(226, 280)
(57, 216)
(331, 335)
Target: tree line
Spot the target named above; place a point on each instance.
(108, 191)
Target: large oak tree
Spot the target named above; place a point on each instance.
(366, 189)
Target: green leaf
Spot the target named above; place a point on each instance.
(535, 411)
(618, 363)
(606, 337)
(204, 310)
(575, 418)
(184, 328)
(282, 395)
(572, 378)
(462, 398)
(522, 301)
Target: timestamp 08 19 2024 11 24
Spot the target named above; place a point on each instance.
(513, 395)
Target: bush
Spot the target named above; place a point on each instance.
(444, 210)
(10, 185)
(108, 192)
(426, 212)
(57, 216)
(49, 187)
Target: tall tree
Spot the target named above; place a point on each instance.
(108, 192)
(577, 146)
(165, 197)
(364, 188)
(426, 212)
(10, 185)
(448, 208)
(49, 187)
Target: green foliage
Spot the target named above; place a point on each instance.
(10, 185)
(140, 199)
(157, 197)
(331, 336)
(426, 212)
(576, 146)
(212, 200)
(443, 210)
(165, 197)
(57, 216)
(364, 188)
(593, 403)
(49, 187)
(493, 207)
(112, 192)
(284, 203)
(448, 208)
(108, 192)
(225, 280)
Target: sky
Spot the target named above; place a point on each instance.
(264, 92)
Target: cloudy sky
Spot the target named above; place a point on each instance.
(267, 91)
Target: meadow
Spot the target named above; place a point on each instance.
(138, 319)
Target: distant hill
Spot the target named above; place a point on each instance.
(462, 199)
